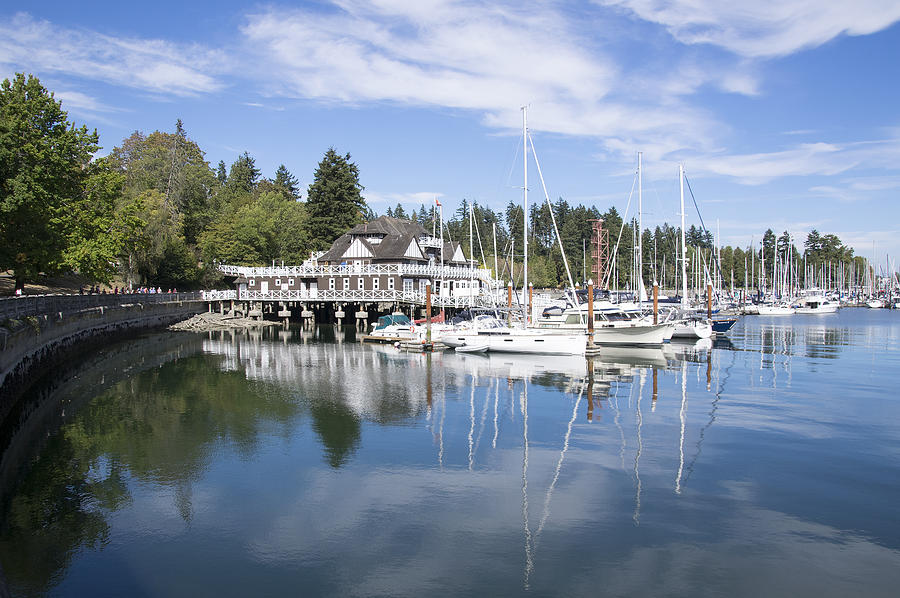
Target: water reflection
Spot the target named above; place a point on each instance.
(299, 458)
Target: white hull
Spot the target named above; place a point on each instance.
(518, 341)
(774, 310)
(875, 304)
(821, 309)
(633, 335)
(692, 330)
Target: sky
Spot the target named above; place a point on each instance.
(785, 113)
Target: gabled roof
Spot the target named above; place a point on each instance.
(397, 241)
(358, 248)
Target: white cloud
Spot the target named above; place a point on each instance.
(82, 102)
(765, 28)
(490, 60)
(153, 65)
(824, 159)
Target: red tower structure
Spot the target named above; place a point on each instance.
(600, 254)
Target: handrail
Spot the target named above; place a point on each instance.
(309, 271)
(12, 308)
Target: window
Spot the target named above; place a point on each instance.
(331, 284)
(375, 283)
(360, 283)
(346, 284)
(277, 282)
(252, 282)
(407, 285)
(390, 283)
(290, 281)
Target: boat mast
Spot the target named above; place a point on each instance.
(525, 203)
(640, 241)
(683, 242)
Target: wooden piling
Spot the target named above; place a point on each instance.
(655, 302)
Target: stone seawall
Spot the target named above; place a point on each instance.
(31, 345)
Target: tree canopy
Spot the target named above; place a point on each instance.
(44, 167)
(334, 201)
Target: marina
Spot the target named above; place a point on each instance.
(267, 459)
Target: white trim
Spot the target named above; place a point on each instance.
(357, 250)
(413, 251)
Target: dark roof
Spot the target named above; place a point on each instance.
(385, 225)
(396, 235)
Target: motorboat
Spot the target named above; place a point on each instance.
(393, 327)
(814, 301)
(612, 325)
(775, 309)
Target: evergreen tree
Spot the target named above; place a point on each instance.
(334, 201)
(244, 175)
(43, 168)
(287, 183)
(221, 173)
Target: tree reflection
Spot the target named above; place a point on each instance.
(338, 427)
(161, 427)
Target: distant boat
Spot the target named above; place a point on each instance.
(775, 309)
(875, 303)
(723, 325)
(814, 301)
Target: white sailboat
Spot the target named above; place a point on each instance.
(687, 328)
(506, 339)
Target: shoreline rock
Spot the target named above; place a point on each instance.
(206, 321)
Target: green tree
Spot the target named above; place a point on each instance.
(43, 168)
(334, 200)
(103, 224)
(287, 183)
(244, 175)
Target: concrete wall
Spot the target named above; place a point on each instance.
(31, 345)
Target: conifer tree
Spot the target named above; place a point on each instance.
(334, 201)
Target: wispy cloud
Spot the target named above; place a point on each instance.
(82, 102)
(765, 28)
(489, 59)
(826, 159)
(152, 65)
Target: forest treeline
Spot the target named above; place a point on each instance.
(155, 212)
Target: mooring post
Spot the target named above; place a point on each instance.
(655, 302)
(709, 301)
(427, 313)
(509, 304)
(528, 315)
(590, 314)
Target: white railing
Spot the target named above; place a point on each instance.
(364, 296)
(215, 295)
(309, 271)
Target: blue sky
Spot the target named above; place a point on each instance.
(784, 112)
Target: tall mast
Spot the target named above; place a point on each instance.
(525, 202)
(640, 240)
(683, 241)
(496, 271)
(471, 244)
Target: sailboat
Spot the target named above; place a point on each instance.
(506, 339)
(688, 328)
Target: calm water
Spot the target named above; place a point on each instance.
(297, 463)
